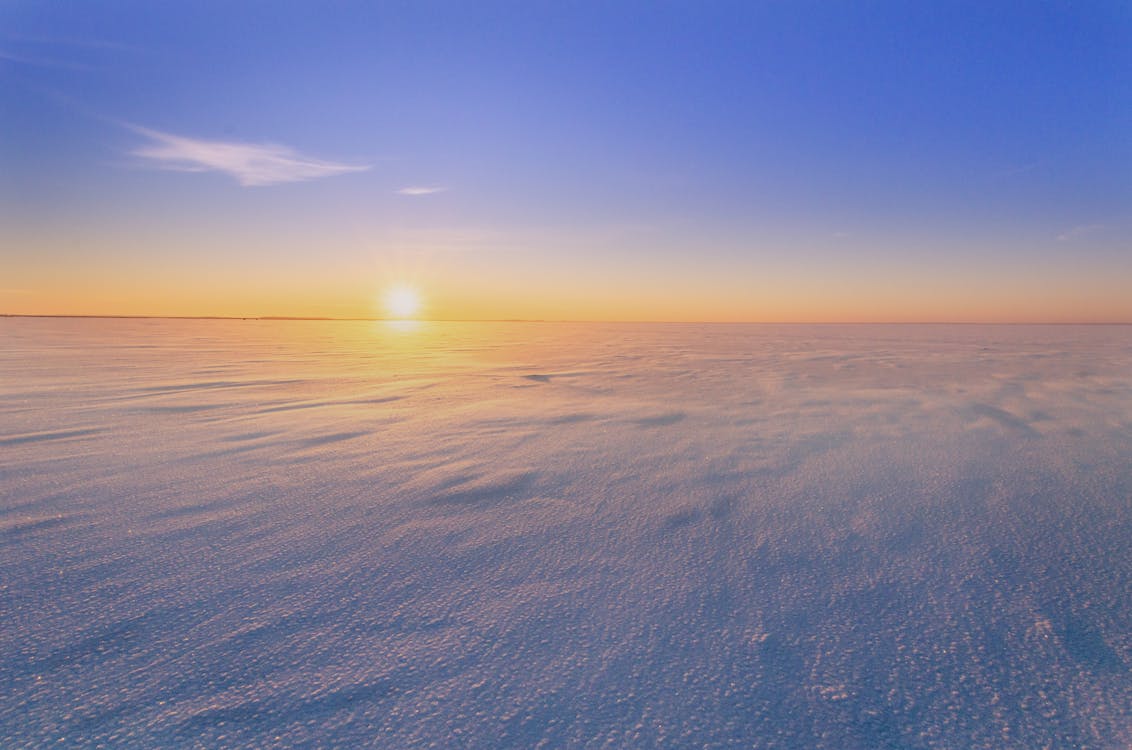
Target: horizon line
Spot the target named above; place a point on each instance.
(568, 320)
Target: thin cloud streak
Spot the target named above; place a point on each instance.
(62, 41)
(421, 190)
(43, 62)
(1079, 231)
(250, 164)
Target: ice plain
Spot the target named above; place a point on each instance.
(492, 535)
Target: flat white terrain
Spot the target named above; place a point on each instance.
(494, 535)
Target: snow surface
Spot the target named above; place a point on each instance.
(347, 534)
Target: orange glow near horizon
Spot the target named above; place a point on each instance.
(1065, 309)
(778, 282)
(457, 292)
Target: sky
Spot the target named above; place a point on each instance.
(698, 161)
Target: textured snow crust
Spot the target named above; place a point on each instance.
(346, 534)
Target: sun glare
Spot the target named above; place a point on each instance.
(402, 302)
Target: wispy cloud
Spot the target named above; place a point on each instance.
(420, 190)
(68, 41)
(38, 61)
(1079, 231)
(250, 164)
(60, 52)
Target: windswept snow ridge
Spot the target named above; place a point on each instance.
(342, 534)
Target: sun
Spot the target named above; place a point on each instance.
(402, 302)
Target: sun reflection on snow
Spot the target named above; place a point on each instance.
(402, 326)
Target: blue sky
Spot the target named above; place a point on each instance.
(610, 152)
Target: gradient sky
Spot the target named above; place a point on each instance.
(761, 161)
